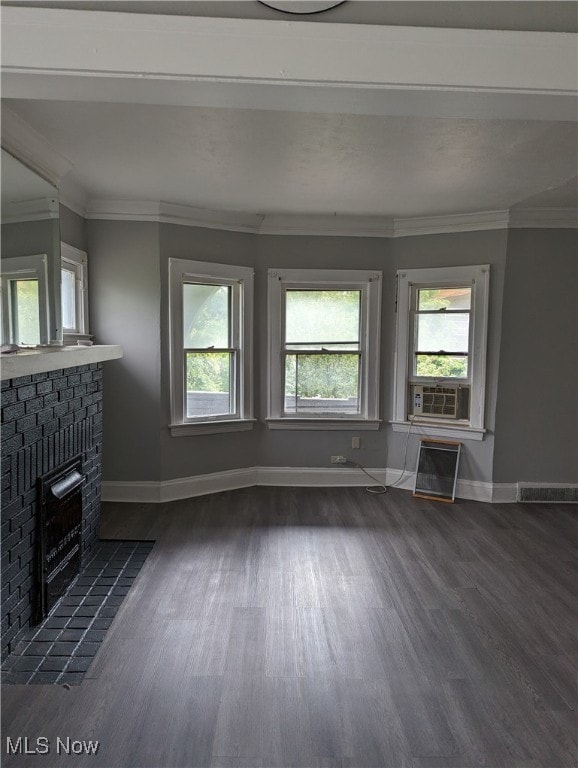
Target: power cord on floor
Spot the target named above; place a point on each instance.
(381, 488)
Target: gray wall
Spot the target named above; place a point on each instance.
(537, 422)
(200, 454)
(128, 299)
(124, 301)
(73, 229)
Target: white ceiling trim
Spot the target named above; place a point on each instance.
(26, 144)
(167, 213)
(328, 226)
(100, 56)
(331, 226)
(544, 218)
(30, 210)
(459, 222)
(73, 196)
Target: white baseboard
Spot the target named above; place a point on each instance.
(316, 476)
(133, 491)
(201, 485)
(217, 482)
(181, 488)
(504, 493)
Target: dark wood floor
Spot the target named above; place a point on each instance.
(328, 628)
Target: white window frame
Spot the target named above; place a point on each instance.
(25, 268)
(240, 279)
(410, 280)
(76, 261)
(369, 283)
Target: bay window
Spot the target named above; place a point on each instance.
(211, 347)
(324, 348)
(442, 318)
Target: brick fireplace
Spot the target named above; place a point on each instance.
(47, 419)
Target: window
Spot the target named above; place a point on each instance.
(324, 349)
(211, 312)
(74, 291)
(24, 300)
(442, 317)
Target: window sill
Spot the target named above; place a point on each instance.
(324, 424)
(436, 428)
(211, 427)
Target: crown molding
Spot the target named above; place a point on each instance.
(188, 216)
(168, 213)
(29, 146)
(544, 218)
(73, 196)
(459, 222)
(30, 210)
(288, 224)
(123, 210)
(328, 226)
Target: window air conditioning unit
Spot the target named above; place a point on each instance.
(439, 402)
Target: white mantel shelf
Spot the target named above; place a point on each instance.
(30, 361)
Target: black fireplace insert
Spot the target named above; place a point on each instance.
(60, 534)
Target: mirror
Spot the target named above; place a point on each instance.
(30, 264)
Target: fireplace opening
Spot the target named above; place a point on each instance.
(60, 534)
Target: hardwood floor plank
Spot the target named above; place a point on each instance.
(421, 712)
(474, 729)
(246, 642)
(240, 717)
(513, 656)
(286, 730)
(377, 736)
(331, 727)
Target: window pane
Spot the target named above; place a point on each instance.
(26, 311)
(208, 379)
(206, 315)
(445, 298)
(322, 316)
(68, 289)
(441, 332)
(322, 383)
(441, 366)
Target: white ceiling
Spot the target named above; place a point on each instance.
(290, 162)
(283, 160)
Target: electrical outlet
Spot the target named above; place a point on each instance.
(355, 442)
(338, 460)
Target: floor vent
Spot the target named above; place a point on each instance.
(552, 494)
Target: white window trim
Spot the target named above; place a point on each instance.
(180, 271)
(369, 282)
(77, 260)
(21, 268)
(479, 278)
